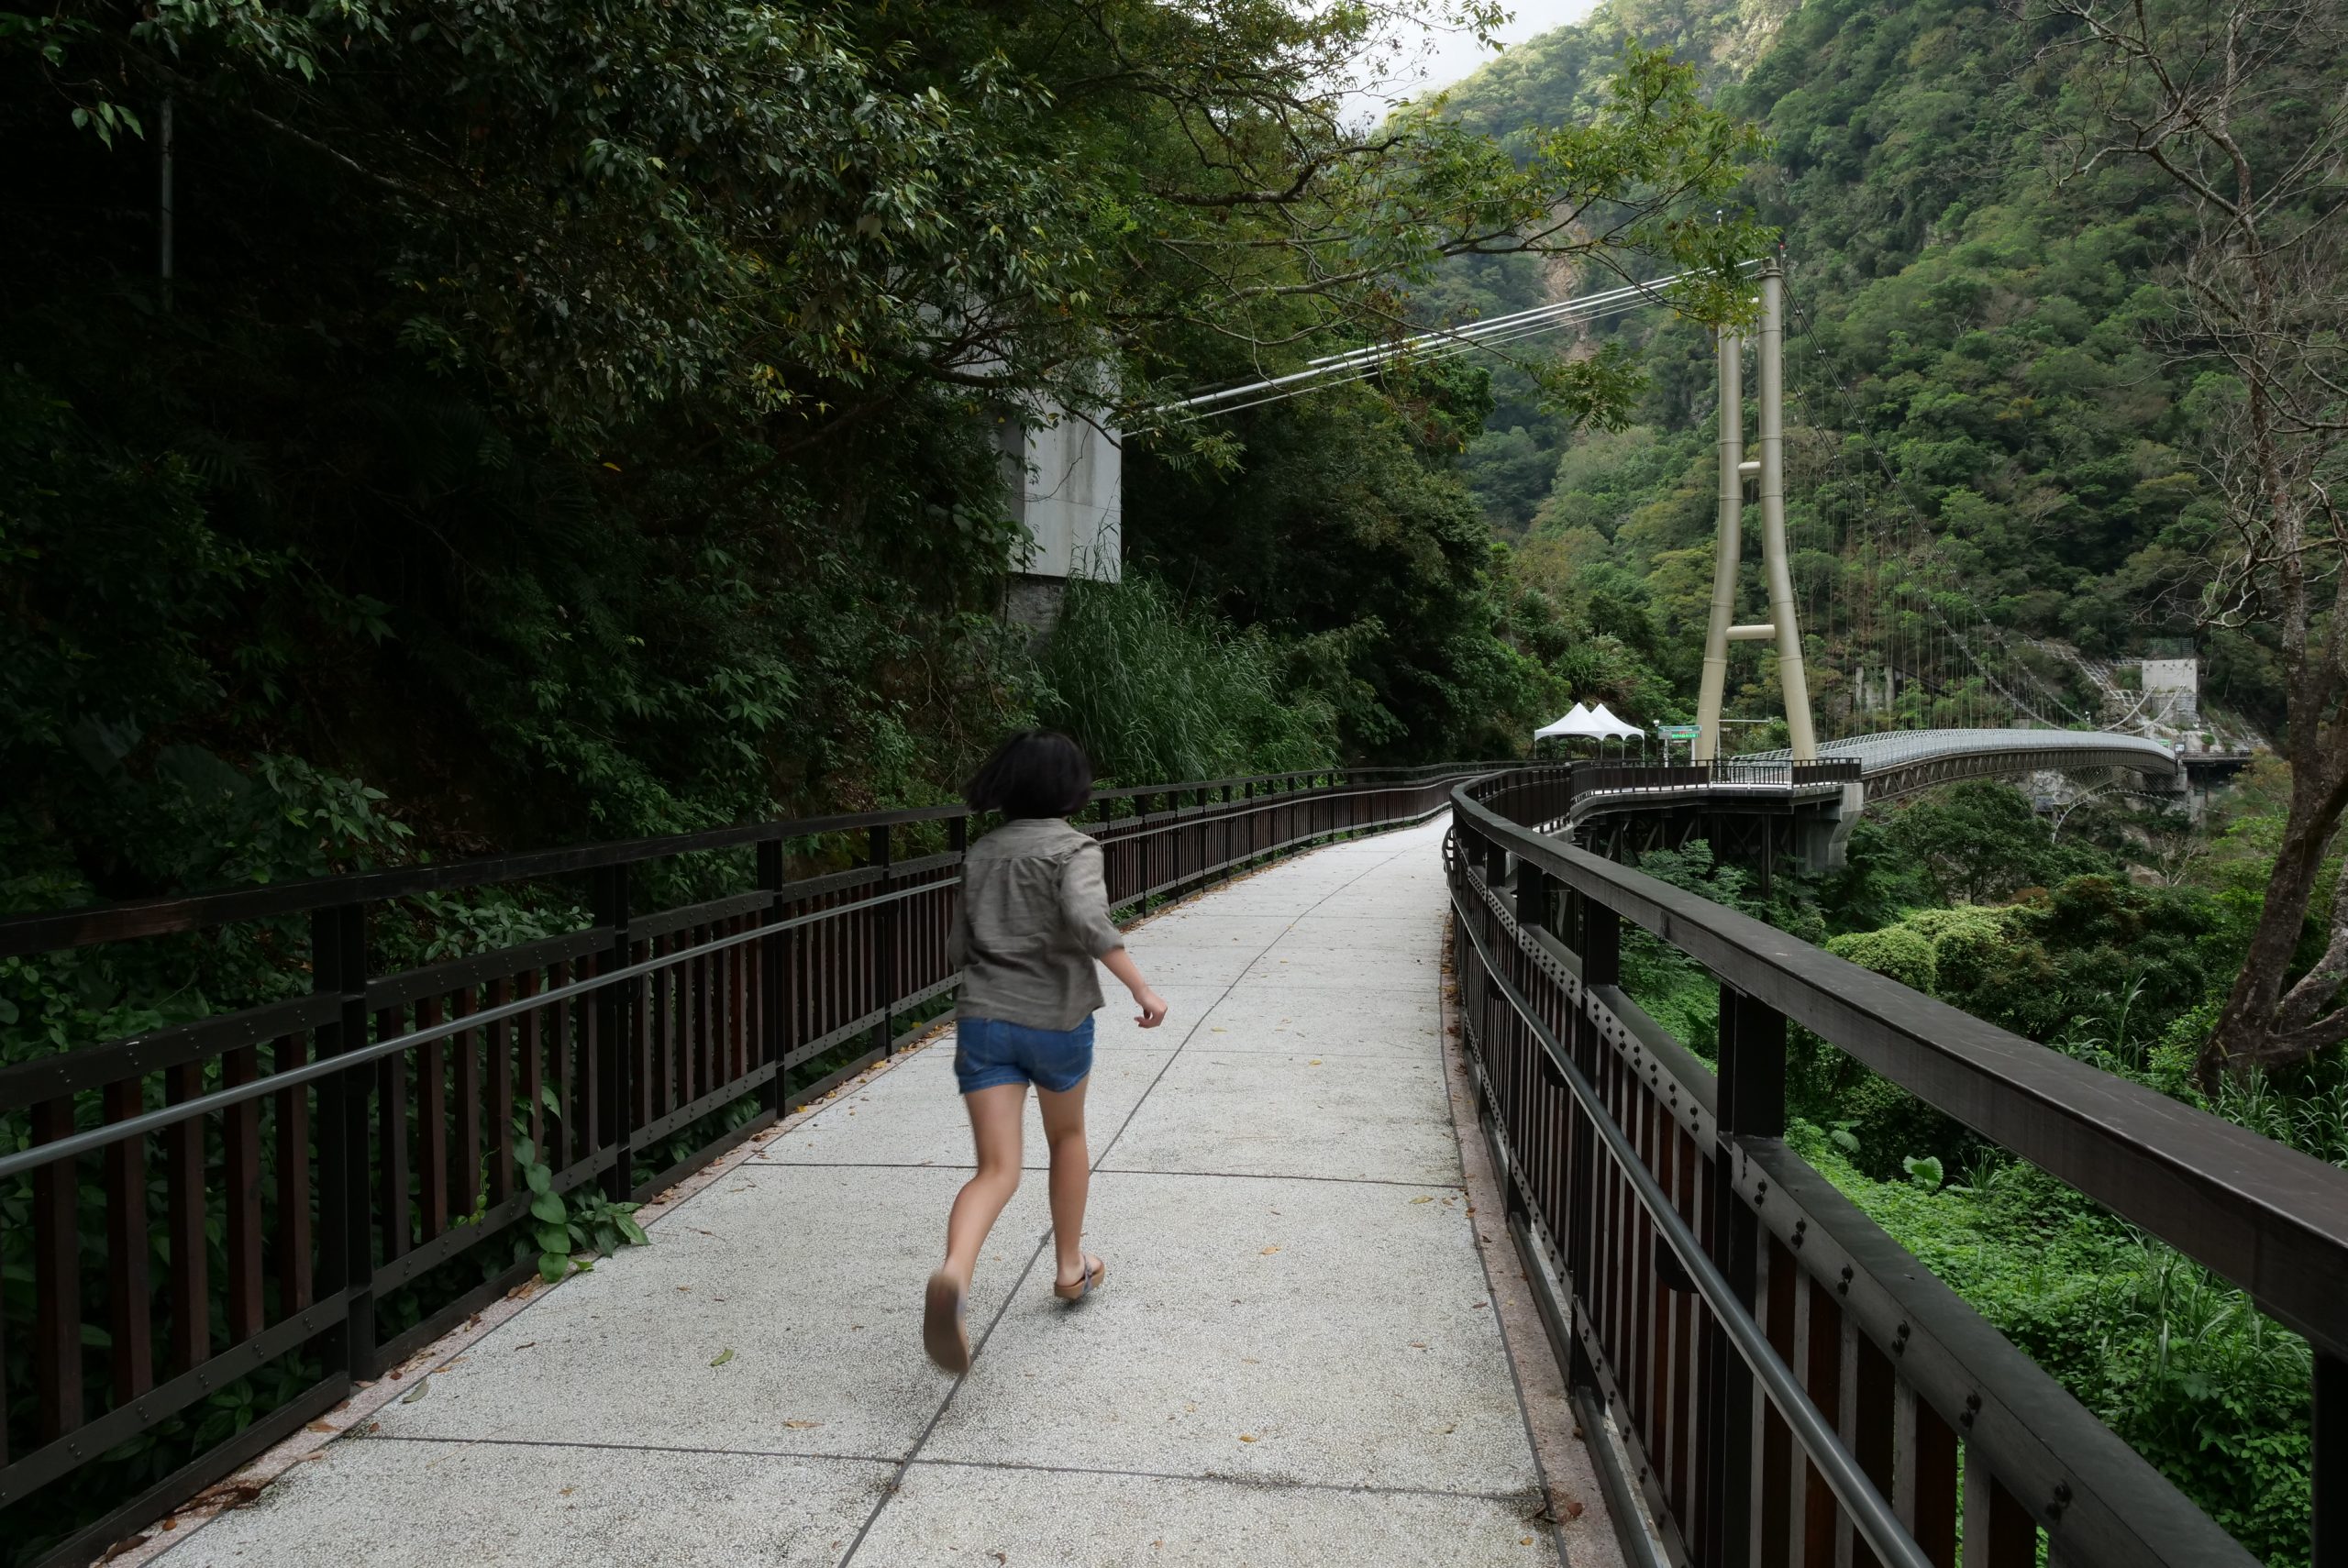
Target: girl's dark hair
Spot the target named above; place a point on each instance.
(1036, 773)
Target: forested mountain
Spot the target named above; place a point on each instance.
(1989, 454)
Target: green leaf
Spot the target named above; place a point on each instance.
(554, 1239)
(549, 1209)
(552, 1267)
(633, 1232)
(541, 1181)
(724, 1356)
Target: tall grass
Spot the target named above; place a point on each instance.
(1157, 690)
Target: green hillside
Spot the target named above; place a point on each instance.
(1985, 450)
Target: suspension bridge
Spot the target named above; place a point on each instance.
(1800, 799)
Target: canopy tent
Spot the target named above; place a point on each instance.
(1614, 728)
(1569, 725)
(1588, 723)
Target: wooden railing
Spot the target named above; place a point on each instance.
(323, 1156)
(1791, 1386)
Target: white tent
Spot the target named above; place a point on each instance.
(1612, 727)
(1588, 723)
(1571, 725)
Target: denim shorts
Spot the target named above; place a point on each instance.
(989, 1052)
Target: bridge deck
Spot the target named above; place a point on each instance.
(1296, 1359)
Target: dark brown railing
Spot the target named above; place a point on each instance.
(353, 1141)
(1791, 1386)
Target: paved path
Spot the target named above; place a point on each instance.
(1295, 1360)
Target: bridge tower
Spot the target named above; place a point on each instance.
(1777, 572)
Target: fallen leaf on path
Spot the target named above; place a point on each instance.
(1247, 1437)
(418, 1392)
(320, 1426)
(1315, 1063)
(724, 1356)
(567, 1491)
(802, 1426)
(1268, 1251)
(1422, 1200)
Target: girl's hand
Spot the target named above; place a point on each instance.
(1152, 1005)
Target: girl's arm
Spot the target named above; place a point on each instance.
(1084, 900)
(1153, 1006)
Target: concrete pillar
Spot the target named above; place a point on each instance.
(1779, 570)
(1728, 551)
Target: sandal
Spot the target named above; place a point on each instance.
(1095, 1271)
(943, 1331)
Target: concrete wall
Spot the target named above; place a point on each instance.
(2175, 685)
(1069, 495)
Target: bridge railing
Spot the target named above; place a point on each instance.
(307, 1188)
(1562, 787)
(1794, 1388)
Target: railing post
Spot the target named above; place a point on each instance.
(1600, 945)
(884, 938)
(2330, 1482)
(1226, 832)
(1495, 863)
(774, 1038)
(1751, 1104)
(1141, 848)
(346, 1256)
(1533, 885)
(616, 1013)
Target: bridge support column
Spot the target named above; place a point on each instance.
(1822, 837)
(1799, 734)
(1729, 550)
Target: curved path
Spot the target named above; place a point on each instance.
(1297, 1358)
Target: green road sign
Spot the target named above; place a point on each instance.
(1678, 732)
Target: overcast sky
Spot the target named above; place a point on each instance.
(1457, 54)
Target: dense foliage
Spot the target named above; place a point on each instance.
(1987, 451)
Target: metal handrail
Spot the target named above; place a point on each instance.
(59, 929)
(2265, 1217)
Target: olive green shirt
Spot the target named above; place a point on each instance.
(1033, 916)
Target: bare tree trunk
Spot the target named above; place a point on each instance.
(2237, 104)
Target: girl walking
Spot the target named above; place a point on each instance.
(1033, 916)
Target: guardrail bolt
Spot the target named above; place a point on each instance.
(1972, 1409)
(1801, 1230)
(1900, 1341)
(2062, 1500)
(1844, 1287)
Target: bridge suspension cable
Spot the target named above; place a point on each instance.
(1441, 343)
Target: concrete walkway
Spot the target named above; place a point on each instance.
(1296, 1359)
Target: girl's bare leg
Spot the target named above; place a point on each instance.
(1071, 1174)
(995, 1116)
